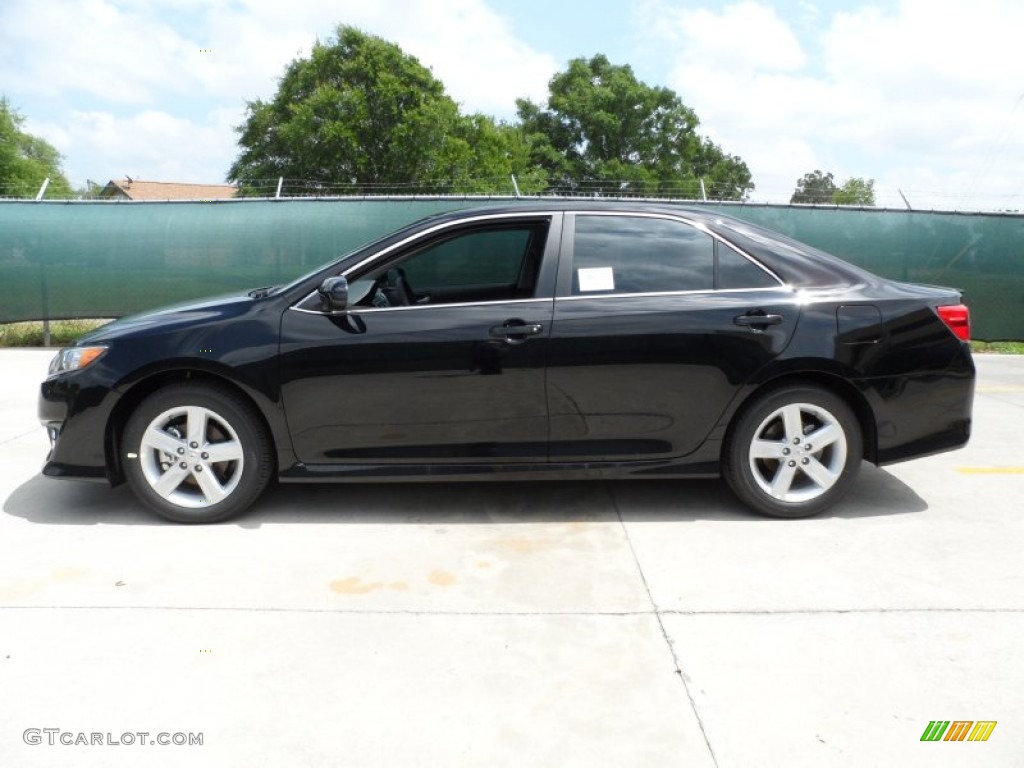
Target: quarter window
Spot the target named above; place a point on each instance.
(638, 254)
(736, 271)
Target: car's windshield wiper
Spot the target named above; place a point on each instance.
(262, 293)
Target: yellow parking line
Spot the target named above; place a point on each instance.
(991, 470)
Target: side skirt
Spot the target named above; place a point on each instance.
(679, 468)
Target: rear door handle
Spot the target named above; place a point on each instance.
(515, 331)
(757, 320)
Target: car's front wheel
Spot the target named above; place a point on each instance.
(794, 452)
(196, 453)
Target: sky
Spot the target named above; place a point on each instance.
(926, 97)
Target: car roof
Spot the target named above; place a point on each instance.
(543, 205)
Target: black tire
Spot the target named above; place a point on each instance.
(780, 476)
(169, 479)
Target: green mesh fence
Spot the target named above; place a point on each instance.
(66, 260)
(981, 254)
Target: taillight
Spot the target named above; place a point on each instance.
(957, 318)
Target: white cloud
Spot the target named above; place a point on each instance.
(469, 47)
(89, 46)
(151, 144)
(955, 48)
(921, 97)
(747, 36)
(134, 84)
(473, 51)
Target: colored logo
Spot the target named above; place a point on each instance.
(958, 730)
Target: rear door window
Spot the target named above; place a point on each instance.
(640, 254)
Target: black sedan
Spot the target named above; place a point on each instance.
(540, 341)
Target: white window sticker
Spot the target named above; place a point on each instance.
(596, 279)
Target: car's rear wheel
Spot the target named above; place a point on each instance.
(196, 453)
(794, 452)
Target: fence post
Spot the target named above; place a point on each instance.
(42, 280)
(280, 181)
(45, 301)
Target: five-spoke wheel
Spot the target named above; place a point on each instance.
(196, 453)
(793, 452)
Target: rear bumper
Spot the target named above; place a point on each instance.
(920, 415)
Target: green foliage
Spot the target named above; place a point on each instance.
(30, 334)
(605, 132)
(998, 347)
(817, 188)
(494, 152)
(855, 191)
(360, 113)
(26, 160)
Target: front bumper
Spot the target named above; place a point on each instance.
(75, 415)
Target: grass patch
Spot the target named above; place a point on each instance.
(999, 347)
(30, 334)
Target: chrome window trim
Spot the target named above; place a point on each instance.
(709, 291)
(365, 310)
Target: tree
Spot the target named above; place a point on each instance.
(855, 191)
(605, 132)
(359, 111)
(815, 188)
(496, 152)
(26, 160)
(819, 188)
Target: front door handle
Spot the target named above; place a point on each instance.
(757, 320)
(515, 331)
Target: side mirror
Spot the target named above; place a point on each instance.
(333, 294)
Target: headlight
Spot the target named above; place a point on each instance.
(75, 358)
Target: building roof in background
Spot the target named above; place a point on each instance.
(133, 189)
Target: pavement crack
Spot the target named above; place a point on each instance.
(835, 611)
(18, 437)
(538, 614)
(347, 611)
(661, 625)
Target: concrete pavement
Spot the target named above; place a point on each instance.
(562, 624)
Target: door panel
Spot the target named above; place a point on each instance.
(648, 376)
(417, 384)
(439, 371)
